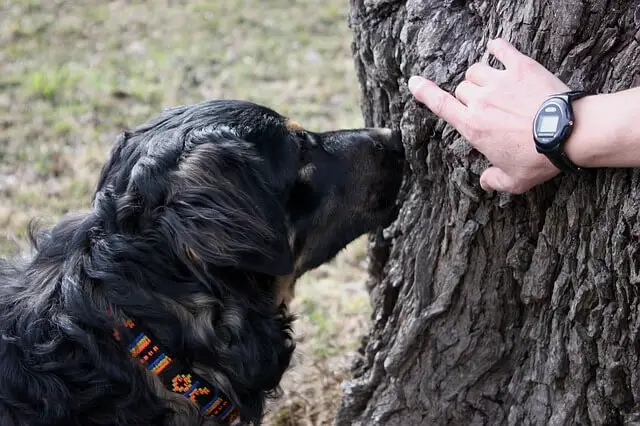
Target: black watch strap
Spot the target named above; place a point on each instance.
(575, 94)
(561, 161)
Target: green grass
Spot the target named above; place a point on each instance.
(75, 74)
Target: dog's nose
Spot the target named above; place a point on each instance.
(390, 140)
(395, 142)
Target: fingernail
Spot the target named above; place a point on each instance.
(414, 83)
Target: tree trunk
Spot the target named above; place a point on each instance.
(489, 308)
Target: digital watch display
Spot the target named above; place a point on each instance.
(552, 126)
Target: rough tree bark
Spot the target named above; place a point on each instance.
(495, 309)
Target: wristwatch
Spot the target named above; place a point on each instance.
(553, 125)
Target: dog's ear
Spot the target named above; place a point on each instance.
(224, 212)
(271, 254)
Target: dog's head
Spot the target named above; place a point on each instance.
(238, 185)
(345, 185)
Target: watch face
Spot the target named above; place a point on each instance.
(548, 124)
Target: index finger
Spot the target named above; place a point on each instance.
(443, 104)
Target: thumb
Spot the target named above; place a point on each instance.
(497, 180)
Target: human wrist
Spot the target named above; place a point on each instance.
(584, 146)
(606, 132)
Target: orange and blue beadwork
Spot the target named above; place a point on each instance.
(214, 407)
(150, 355)
(159, 364)
(184, 384)
(202, 391)
(138, 345)
(181, 382)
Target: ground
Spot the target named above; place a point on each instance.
(74, 74)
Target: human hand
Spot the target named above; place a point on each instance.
(494, 110)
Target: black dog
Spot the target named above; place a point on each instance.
(166, 303)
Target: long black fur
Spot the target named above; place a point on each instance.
(190, 227)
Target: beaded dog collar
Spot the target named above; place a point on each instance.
(176, 376)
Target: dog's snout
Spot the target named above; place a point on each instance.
(395, 142)
(389, 140)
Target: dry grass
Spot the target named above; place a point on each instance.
(74, 74)
(333, 309)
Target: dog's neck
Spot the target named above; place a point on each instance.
(173, 373)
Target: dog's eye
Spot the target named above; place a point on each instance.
(378, 146)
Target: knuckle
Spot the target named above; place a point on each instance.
(517, 187)
(459, 88)
(440, 104)
(498, 41)
(499, 49)
(482, 99)
(471, 131)
(501, 46)
(476, 122)
(472, 71)
(525, 67)
(518, 190)
(469, 72)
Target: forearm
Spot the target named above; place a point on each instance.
(607, 130)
